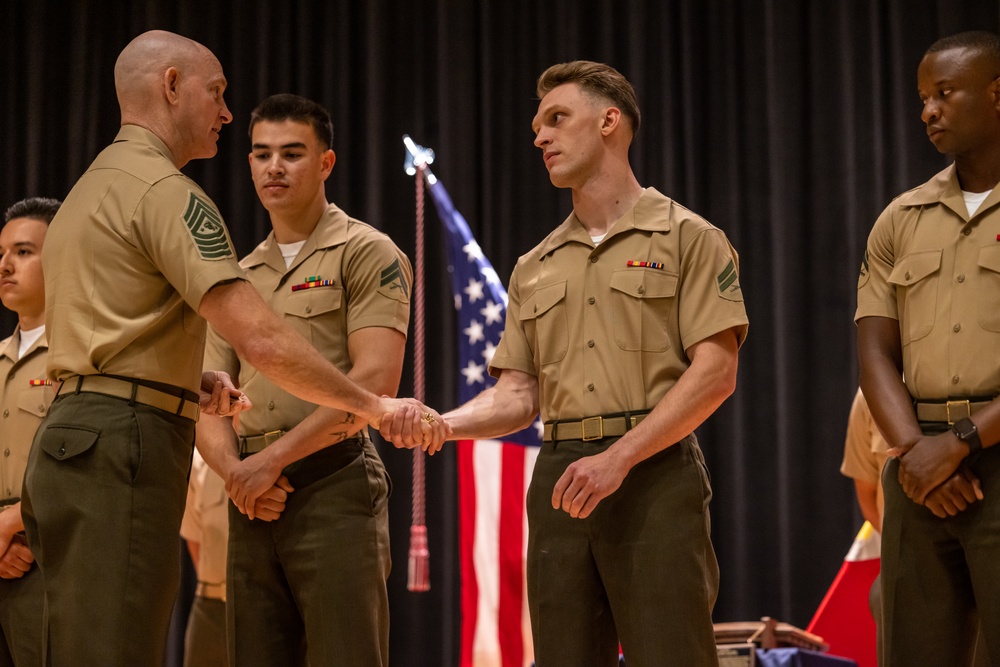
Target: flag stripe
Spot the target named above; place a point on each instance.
(511, 555)
(493, 474)
(466, 536)
(486, 463)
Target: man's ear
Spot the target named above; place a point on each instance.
(612, 119)
(171, 81)
(329, 159)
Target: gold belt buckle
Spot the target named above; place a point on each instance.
(949, 404)
(272, 437)
(593, 428)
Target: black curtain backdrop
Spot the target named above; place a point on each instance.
(789, 124)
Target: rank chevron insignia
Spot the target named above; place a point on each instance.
(728, 277)
(391, 274)
(206, 229)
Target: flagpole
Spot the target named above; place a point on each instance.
(418, 565)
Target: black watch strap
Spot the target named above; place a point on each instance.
(969, 434)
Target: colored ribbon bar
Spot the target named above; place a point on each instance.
(312, 281)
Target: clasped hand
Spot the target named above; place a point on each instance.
(931, 473)
(219, 397)
(408, 423)
(16, 559)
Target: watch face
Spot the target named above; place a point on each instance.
(964, 428)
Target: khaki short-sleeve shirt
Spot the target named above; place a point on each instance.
(864, 448)
(347, 276)
(25, 401)
(206, 521)
(127, 260)
(937, 272)
(605, 328)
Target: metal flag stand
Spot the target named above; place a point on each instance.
(418, 565)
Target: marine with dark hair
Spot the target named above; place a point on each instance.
(929, 345)
(42, 209)
(25, 395)
(311, 585)
(623, 328)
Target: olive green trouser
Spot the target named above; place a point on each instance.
(640, 569)
(21, 602)
(103, 499)
(205, 638)
(940, 576)
(312, 584)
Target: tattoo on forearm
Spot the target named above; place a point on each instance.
(344, 429)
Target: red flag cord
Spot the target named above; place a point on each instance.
(418, 570)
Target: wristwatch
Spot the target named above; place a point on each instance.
(968, 433)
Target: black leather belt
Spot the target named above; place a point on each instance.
(950, 411)
(180, 403)
(6, 502)
(593, 428)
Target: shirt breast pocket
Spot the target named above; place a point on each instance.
(916, 280)
(989, 273)
(644, 302)
(36, 400)
(317, 314)
(543, 317)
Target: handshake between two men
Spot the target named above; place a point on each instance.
(256, 483)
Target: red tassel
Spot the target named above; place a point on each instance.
(419, 575)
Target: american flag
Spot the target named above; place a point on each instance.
(493, 475)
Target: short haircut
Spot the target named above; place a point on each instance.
(595, 79)
(42, 209)
(286, 106)
(986, 44)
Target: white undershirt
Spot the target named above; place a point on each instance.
(289, 251)
(597, 239)
(973, 200)
(28, 338)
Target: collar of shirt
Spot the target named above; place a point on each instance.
(331, 230)
(944, 189)
(142, 135)
(652, 210)
(10, 346)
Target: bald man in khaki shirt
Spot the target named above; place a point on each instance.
(929, 343)
(623, 328)
(136, 261)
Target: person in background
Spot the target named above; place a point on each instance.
(24, 400)
(205, 528)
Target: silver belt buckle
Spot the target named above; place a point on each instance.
(593, 428)
(948, 407)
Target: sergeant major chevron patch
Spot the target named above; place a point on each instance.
(207, 229)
